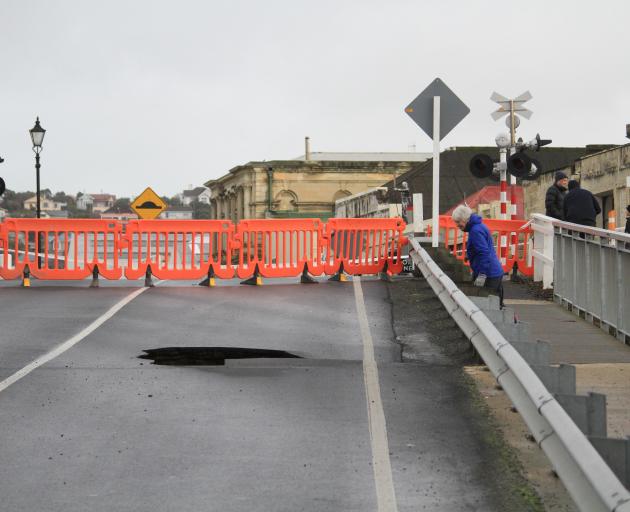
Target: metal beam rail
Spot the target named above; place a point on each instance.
(588, 268)
(588, 479)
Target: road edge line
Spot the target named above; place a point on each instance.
(383, 479)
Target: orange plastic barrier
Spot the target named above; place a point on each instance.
(364, 246)
(279, 247)
(193, 249)
(517, 249)
(60, 248)
(179, 249)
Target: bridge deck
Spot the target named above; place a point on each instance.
(96, 428)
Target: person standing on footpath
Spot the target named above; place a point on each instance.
(580, 206)
(554, 199)
(482, 257)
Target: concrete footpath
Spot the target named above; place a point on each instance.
(602, 365)
(602, 362)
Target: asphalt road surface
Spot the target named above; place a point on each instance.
(86, 425)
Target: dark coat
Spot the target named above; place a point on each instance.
(480, 249)
(628, 225)
(554, 200)
(581, 207)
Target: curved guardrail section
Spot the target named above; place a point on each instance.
(588, 479)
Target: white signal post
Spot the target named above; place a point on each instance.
(435, 230)
(509, 107)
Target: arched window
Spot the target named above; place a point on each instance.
(286, 200)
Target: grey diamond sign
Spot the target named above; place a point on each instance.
(452, 109)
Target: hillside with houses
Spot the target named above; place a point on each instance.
(190, 203)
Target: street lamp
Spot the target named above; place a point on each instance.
(37, 137)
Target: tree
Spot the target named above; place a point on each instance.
(175, 201)
(122, 203)
(200, 210)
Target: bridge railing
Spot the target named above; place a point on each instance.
(191, 249)
(588, 269)
(588, 479)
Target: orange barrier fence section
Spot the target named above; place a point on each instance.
(364, 247)
(518, 247)
(279, 247)
(179, 249)
(192, 249)
(60, 248)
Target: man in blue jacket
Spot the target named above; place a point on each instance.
(482, 257)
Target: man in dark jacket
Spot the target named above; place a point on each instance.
(555, 196)
(580, 206)
(628, 219)
(482, 257)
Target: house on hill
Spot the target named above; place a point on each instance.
(96, 202)
(46, 202)
(200, 194)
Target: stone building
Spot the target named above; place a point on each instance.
(294, 188)
(605, 172)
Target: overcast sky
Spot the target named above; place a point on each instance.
(138, 93)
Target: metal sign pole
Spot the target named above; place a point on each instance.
(436, 172)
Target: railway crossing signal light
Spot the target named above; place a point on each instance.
(481, 166)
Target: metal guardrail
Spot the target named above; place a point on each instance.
(588, 479)
(589, 267)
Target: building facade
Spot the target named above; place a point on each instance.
(293, 188)
(605, 173)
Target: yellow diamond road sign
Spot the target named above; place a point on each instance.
(148, 205)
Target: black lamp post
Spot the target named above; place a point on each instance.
(37, 137)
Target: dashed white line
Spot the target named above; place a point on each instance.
(385, 494)
(71, 342)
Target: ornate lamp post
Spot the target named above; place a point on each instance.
(37, 137)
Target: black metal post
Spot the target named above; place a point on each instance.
(38, 246)
(37, 167)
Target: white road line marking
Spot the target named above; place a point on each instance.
(385, 494)
(61, 348)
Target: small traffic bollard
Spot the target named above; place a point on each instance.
(255, 280)
(210, 280)
(340, 276)
(94, 283)
(306, 278)
(385, 274)
(26, 278)
(148, 278)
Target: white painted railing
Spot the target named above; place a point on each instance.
(588, 268)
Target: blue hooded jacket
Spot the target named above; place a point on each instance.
(480, 249)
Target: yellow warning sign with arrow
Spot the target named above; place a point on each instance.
(148, 205)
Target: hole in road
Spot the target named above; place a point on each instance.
(208, 356)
